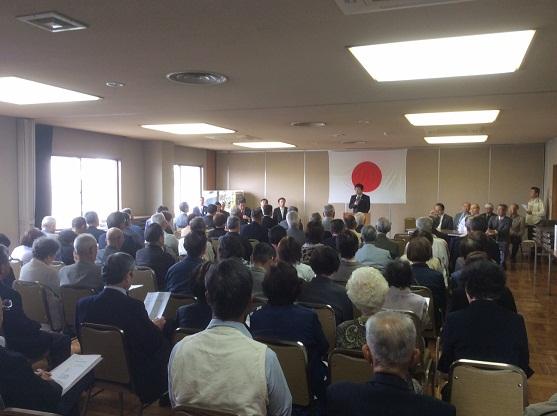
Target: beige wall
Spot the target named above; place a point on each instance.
(8, 179)
(550, 160)
(451, 175)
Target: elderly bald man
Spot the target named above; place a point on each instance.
(84, 272)
(115, 240)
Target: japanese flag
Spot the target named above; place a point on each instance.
(381, 172)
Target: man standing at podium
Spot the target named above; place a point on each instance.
(359, 202)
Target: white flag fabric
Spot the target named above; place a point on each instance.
(382, 172)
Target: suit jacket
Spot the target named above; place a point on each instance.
(345, 270)
(208, 220)
(387, 244)
(156, 258)
(246, 212)
(502, 226)
(248, 249)
(434, 280)
(149, 351)
(95, 232)
(488, 332)
(130, 246)
(363, 206)
(82, 274)
(179, 278)
(197, 315)
(255, 231)
(458, 217)
(447, 222)
(216, 233)
(104, 253)
(384, 395)
(269, 222)
(321, 289)
(279, 214)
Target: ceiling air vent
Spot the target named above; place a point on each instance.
(349, 7)
(52, 21)
(197, 78)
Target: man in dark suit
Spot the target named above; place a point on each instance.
(210, 216)
(461, 216)
(337, 227)
(489, 212)
(359, 202)
(201, 209)
(115, 240)
(391, 351)
(254, 230)
(149, 350)
(445, 220)
(219, 221)
(180, 277)
(244, 211)
(154, 255)
(321, 289)
(119, 220)
(279, 214)
(268, 220)
(485, 330)
(92, 220)
(383, 227)
(499, 227)
(233, 225)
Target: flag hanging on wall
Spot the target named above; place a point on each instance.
(382, 172)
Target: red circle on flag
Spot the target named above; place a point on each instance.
(368, 174)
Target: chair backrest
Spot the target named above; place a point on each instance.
(176, 300)
(294, 362)
(138, 292)
(253, 242)
(146, 277)
(430, 328)
(479, 388)
(326, 316)
(349, 365)
(198, 411)
(182, 333)
(33, 296)
(110, 343)
(409, 223)
(16, 267)
(12, 411)
(401, 245)
(70, 296)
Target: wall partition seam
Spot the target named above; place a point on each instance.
(228, 171)
(305, 174)
(265, 178)
(489, 176)
(438, 174)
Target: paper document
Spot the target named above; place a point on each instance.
(524, 206)
(74, 369)
(132, 287)
(155, 303)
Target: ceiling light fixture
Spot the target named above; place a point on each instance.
(52, 22)
(493, 53)
(308, 124)
(15, 90)
(197, 78)
(188, 128)
(114, 84)
(264, 145)
(450, 118)
(479, 138)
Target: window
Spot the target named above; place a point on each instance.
(188, 183)
(80, 185)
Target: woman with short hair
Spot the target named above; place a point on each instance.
(24, 252)
(290, 251)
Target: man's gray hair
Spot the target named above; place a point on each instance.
(424, 224)
(232, 222)
(48, 222)
(292, 208)
(391, 337)
(369, 234)
(158, 218)
(235, 212)
(292, 219)
(329, 210)
(383, 225)
(84, 243)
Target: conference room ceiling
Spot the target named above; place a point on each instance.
(286, 61)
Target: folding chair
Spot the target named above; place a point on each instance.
(113, 373)
(481, 388)
(294, 362)
(16, 267)
(430, 329)
(70, 296)
(349, 365)
(182, 333)
(33, 296)
(146, 277)
(176, 300)
(198, 411)
(326, 316)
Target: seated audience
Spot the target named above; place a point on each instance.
(221, 209)
(440, 249)
(120, 220)
(499, 228)
(233, 224)
(476, 224)
(79, 225)
(154, 255)
(399, 297)
(279, 213)
(484, 330)
(201, 209)
(115, 240)
(294, 230)
(360, 218)
(276, 234)
(148, 350)
(254, 230)
(390, 349)
(284, 223)
(351, 225)
(197, 225)
(181, 220)
(314, 238)
(198, 314)
(263, 257)
(135, 230)
(5, 241)
(48, 227)
(321, 289)
(231, 247)
(366, 288)
(263, 202)
(383, 227)
(290, 251)
(66, 239)
(209, 217)
(197, 376)
(459, 221)
(337, 227)
(348, 244)
(328, 216)
(244, 213)
(24, 335)
(170, 240)
(268, 221)
(84, 273)
(179, 278)
(488, 212)
(433, 263)
(219, 221)
(518, 228)
(92, 220)
(24, 252)
(444, 220)
(419, 252)
(39, 270)
(281, 319)
(369, 254)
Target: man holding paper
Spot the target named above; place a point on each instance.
(149, 350)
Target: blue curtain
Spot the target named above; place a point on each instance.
(43, 152)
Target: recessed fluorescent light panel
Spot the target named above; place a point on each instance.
(480, 138)
(460, 56)
(264, 145)
(188, 128)
(15, 90)
(451, 118)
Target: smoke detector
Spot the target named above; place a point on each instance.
(52, 22)
(197, 78)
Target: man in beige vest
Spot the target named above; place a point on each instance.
(222, 367)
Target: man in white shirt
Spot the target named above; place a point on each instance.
(200, 371)
(535, 211)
